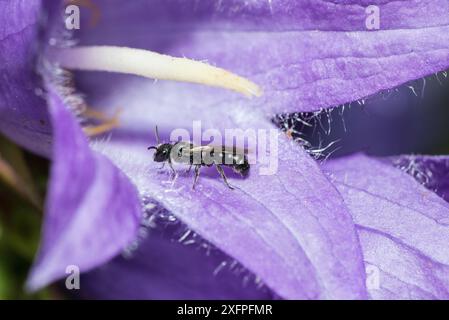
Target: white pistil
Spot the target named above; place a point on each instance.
(152, 65)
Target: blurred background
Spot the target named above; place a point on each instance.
(412, 119)
(23, 180)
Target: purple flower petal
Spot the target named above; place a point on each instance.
(402, 272)
(172, 262)
(297, 237)
(303, 225)
(92, 210)
(431, 171)
(403, 227)
(305, 54)
(23, 113)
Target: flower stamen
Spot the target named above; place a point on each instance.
(107, 123)
(152, 65)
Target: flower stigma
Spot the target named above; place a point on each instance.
(152, 65)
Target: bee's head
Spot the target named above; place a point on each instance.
(162, 152)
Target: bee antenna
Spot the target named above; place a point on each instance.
(152, 147)
(156, 132)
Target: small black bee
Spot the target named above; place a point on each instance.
(198, 156)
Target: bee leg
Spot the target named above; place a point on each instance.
(190, 168)
(197, 175)
(171, 167)
(222, 174)
(162, 167)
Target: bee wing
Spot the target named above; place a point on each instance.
(201, 149)
(237, 150)
(228, 149)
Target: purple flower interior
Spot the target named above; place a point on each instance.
(309, 231)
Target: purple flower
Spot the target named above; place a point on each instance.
(308, 231)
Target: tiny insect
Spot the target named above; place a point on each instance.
(199, 156)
